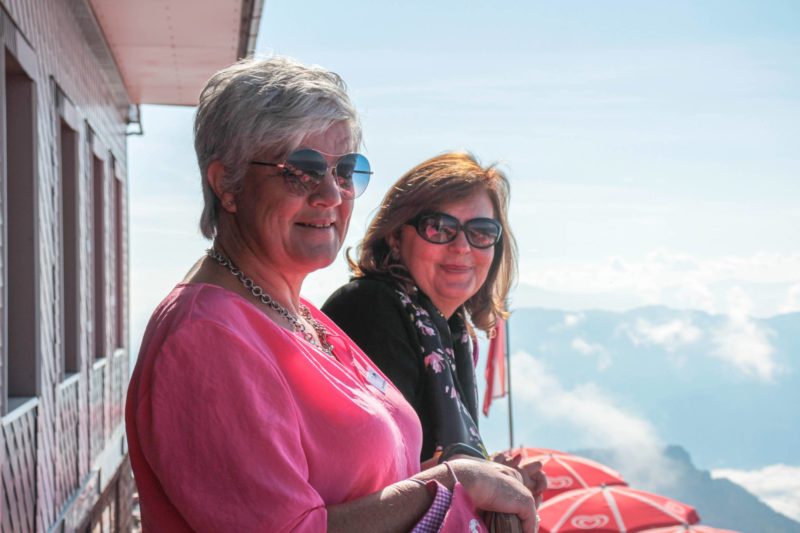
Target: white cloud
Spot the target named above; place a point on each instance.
(664, 268)
(743, 343)
(591, 350)
(672, 278)
(670, 335)
(776, 485)
(573, 319)
(599, 419)
(740, 306)
(584, 347)
(745, 346)
(690, 294)
(792, 303)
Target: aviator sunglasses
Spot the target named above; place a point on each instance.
(304, 170)
(441, 228)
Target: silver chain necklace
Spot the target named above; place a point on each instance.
(267, 300)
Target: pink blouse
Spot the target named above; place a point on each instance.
(235, 424)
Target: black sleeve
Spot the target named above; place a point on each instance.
(372, 315)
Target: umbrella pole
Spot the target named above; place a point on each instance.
(508, 387)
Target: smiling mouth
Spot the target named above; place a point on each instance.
(456, 269)
(317, 226)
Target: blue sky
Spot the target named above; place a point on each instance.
(653, 147)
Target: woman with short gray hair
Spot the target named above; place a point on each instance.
(248, 409)
(236, 118)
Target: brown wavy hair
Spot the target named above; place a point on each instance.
(441, 180)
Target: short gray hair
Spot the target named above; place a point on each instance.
(258, 105)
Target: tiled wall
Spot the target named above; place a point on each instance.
(64, 55)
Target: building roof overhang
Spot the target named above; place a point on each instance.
(163, 51)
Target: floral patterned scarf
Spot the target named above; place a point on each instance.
(447, 348)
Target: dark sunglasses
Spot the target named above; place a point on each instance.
(441, 228)
(304, 170)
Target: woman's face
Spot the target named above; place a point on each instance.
(449, 273)
(290, 233)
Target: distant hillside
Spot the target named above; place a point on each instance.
(720, 503)
(726, 388)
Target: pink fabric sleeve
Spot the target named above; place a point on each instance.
(221, 432)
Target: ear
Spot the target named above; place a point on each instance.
(216, 177)
(393, 240)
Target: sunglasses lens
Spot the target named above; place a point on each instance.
(441, 228)
(305, 170)
(438, 228)
(482, 232)
(353, 172)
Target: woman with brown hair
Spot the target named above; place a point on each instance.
(438, 258)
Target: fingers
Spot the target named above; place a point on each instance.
(520, 503)
(538, 479)
(532, 467)
(514, 461)
(530, 524)
(530, 474)
(527, 480)
(505, 459)
(534, 481)
(541, 484)
(540, 487)
(496, 487)
(499, 457)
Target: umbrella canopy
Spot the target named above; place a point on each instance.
(567, 472)
(686, 528)
(530, 452)
(615, 509)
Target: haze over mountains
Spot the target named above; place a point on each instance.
(723, 387)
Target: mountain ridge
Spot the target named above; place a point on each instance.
(719, 502)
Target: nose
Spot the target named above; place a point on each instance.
(460, 243)
(328, 194)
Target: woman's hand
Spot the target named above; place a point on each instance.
(396, 508)
(493, 487)
(532, 476)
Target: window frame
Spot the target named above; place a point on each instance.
(70, 351)
(16, 47)
(99, 156)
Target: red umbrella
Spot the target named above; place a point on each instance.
(616, 509)
(686, 528)
(569, 472)
(530, 452)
